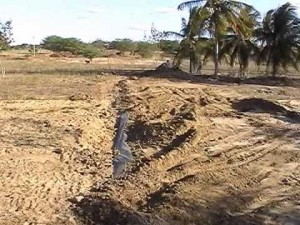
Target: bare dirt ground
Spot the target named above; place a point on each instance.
(204, 153)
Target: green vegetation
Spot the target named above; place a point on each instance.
(97, 48)
(146, 49)
(99, 44)
(280, 38)
(91, 52)
(143, 48)
(169, 46)
(74, 46)
(231, 31)
(188, 45)
(124, 45)
(5, 34)
(59, 44)
(218, 31)
(216, 19)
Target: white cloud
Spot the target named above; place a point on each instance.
(138, 27)
(81, 17)
(166, 10)
(95, 10)
(295, 2)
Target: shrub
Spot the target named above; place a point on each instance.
(123, 45)
(99, 44)
(91, 52)
(168, 46)
(146, 49)
(59, 44)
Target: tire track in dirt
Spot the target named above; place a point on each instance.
(194, 138)
(175, 154)
(48, 160)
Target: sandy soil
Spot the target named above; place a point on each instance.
(204, 153)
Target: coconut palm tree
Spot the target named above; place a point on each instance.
(280, 38)
(188, 42)
(241, 46)
(234, 48)
(215, 16)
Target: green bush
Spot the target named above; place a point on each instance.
(168, 46)
(99, 44)
(123, 45)
(146, 49)
(59, 44)
(91, 52)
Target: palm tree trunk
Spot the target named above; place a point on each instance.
(191, 64)
(192, 60)
(268, 65)
(199, 67)
(216, 57)
(274, 70)
(241, 69)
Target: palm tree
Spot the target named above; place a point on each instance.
(241, 46)
(235, 49)
(280, 38)
(215, 16)
(188, 42)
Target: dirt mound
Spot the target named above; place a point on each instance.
(165, 67)
(165, 70)
(103, 210)
(265, 106)
(257, 104)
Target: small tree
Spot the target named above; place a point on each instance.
(124, 45)
(169, 46)
(156, 36)
(146, 49)
(59, 44)
(5, 34)
(91, 52)
(100, 44)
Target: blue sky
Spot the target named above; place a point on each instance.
(92, 19)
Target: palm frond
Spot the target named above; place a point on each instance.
(173, 34)
(189, 4)
(280, 36)
(183, 23)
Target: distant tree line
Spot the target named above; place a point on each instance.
(97, 48)
(222, 31)
(72, 45)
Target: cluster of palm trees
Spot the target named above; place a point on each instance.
(233, 31)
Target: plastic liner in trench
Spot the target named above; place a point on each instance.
(120, 148)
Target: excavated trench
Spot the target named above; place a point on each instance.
(192, 160)
(203, 153)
